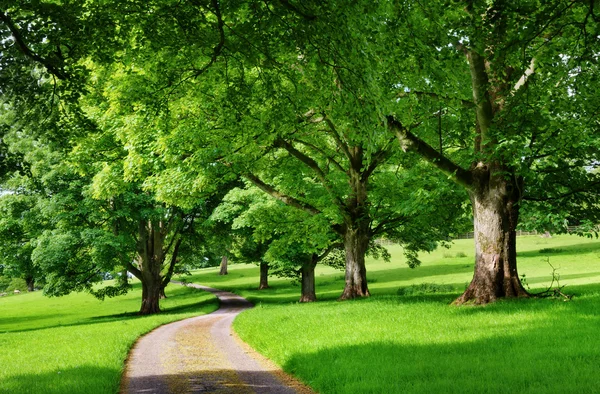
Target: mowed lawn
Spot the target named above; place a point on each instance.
(77, 344)
(419, 343)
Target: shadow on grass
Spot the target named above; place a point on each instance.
(524, 346)
(81, 380)
(526, 362)
(562, 250)
(190, 307)
(164, 311)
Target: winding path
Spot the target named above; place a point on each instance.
(202, 355)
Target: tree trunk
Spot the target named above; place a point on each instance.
(356, 241)
(495, 213)
(162, 294)
(223, 270)
(308, 280)
(30, 283)
(264, 276)
(150, 297)
(151, 255)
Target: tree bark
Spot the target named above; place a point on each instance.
(264, 276)
(151, 254)
(151, 289)
(495, 202)
(30, 283)
(356, 241)
(223, 270)
(308, 293)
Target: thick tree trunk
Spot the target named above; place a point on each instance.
(150, 297)
(356, 241)
(308, 280)
(495, 214)
(151, 255)
(223, 270)
(30, 283)
(264, 276)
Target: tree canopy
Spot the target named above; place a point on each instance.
(378, 119)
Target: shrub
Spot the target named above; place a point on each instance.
(461, 254)
(17, 284)
(425, 288)
(4, 283)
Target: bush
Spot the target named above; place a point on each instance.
(448, 255)
(425, 288)
(4, 283)
(550, 250)
(17, 284)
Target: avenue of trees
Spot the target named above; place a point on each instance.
(155, 136)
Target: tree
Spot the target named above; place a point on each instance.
(20, 224)
(532, 132)
(289, 241)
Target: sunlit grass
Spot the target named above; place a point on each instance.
(578, 262)
(419, 343)
(77, 344)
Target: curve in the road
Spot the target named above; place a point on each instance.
(202, 355)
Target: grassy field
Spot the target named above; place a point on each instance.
(417, 342)
(77, 344)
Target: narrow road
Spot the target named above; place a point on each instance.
(202, 355)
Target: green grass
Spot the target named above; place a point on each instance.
(77, 344)
(417, 342)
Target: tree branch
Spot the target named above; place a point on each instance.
(313, 165)
(134, 270)
(529, 71)
(384, 223)
(172, 263)
(382, 155)
(329, 249)
(564, 195)
(409, 141)
(322, 152)
(288, 200)
(338, 140)
(481, 97)
(52, 69)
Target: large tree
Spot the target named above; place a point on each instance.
(532, 73)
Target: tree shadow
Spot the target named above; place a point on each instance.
(210, 381)
(118, 317)
(561, 250)
(527, 361)
(81, 380)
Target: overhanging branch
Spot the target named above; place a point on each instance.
(288, 200)
(52, 68)
(410, 142)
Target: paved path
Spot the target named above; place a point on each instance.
(202, 355)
